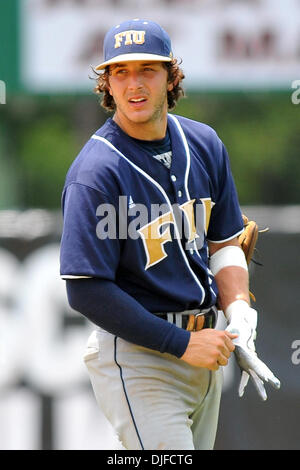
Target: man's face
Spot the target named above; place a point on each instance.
(139, 90)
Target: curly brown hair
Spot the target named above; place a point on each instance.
(175, 76)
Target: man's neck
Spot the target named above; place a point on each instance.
(144, 131)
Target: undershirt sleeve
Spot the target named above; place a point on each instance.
(109, 307)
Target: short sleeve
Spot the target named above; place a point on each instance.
(89, 245)
(226, 218)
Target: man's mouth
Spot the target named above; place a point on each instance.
(137, 100)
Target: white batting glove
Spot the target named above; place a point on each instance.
(242, 320)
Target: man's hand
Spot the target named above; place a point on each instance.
(209, 348)
(242, 320)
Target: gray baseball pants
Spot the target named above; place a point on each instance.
(153, 400)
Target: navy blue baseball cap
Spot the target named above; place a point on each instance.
(136, 40)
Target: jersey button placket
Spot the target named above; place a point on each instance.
(174, 179)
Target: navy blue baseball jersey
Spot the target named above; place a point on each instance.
(144, 223)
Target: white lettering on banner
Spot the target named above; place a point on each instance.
(11, 324)
(20, 419)
(42, 347)
(54, 356)
(79, 423)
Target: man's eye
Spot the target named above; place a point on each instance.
(121, 71)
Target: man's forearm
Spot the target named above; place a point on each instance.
(233, 284)
(109, 307)
(229, 267)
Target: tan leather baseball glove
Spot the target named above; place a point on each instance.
(248, 238)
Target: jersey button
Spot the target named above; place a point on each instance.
(173, 178)
(179, 193)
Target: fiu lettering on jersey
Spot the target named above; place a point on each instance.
(208, 205)
(188, 209)
(131, 36)
(154, 239)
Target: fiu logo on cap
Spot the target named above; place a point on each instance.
(131, 37)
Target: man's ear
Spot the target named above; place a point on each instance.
(108, 87)
(172, 85)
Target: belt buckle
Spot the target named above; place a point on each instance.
(199, 321)
(196, 322)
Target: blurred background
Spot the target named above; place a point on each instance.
(242, 65)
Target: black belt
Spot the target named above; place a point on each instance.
(183, 319)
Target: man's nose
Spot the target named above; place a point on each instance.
(135, 81)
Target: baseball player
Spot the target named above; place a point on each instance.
(149, 247)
